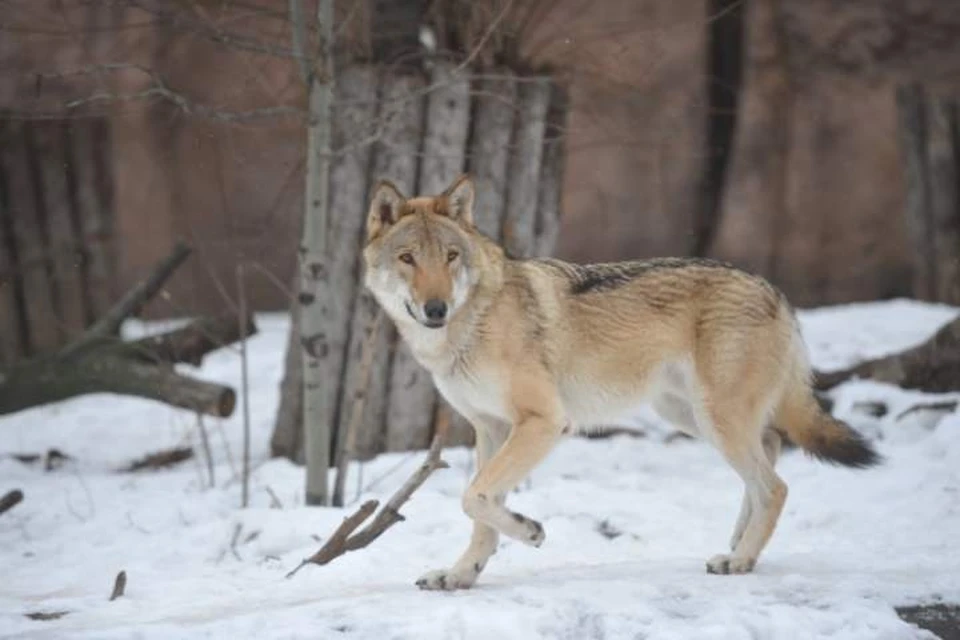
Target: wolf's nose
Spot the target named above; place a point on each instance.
(435, 310)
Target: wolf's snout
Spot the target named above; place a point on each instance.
(435, 311)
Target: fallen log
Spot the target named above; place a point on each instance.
(192, 342)
(46, 380)
(100, 362)
(933, 366)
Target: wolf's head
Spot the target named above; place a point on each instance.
(421, 255)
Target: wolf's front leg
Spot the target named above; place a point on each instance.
(528, 444)
(483, 542)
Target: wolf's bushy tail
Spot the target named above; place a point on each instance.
(821, 435)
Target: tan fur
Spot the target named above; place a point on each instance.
(532, 349)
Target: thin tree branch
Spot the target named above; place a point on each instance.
(344, 539)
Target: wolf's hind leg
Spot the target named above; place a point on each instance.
(483, 542)
(766, 493)
(771, 446)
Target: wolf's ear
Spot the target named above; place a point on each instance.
(384, 208)
(460, 199)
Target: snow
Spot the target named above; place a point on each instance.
(850, 545)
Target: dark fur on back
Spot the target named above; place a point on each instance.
(595, 278)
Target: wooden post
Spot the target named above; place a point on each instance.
(396, 159)
(412, 397)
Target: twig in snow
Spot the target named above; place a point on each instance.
(245, 386)
(344, 539)
(205, 443)
(274, 500)
(45, 615)
(233, 541)
(947, 406)
(161, 459)
(10, 500)
(119, 586)
(612, 431)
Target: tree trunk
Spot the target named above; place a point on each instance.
(395, 158)
(551, 173)
(412, 397)
(930, 139)
(490, 154)
(287, 438)
(755, 200)
(526, 154)
(45, 380)
(315, 284)
(98, 361)
(933, 366)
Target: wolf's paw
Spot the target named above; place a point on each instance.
(448, 579)
(533, 533)
(726, 564)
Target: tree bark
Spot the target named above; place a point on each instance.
(45, 380)
(412, 397)
(287, 438)
(314, 284)
(396, 159)
(490, 153)
(526, 154)
(551, 173)
(97, 361)
(755, 200)
(191, 343)
(930, 140)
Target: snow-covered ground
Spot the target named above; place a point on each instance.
(850, 545)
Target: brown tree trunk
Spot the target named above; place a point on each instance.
(755, 200)
(930, 139)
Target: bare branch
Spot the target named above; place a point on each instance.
(131, 303)
(344, 540)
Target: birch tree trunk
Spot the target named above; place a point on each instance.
(314, 277)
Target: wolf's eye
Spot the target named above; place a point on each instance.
(452, 255)
(406, 258)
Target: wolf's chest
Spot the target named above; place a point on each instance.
(478, 395)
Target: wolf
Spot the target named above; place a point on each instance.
(528, 350)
